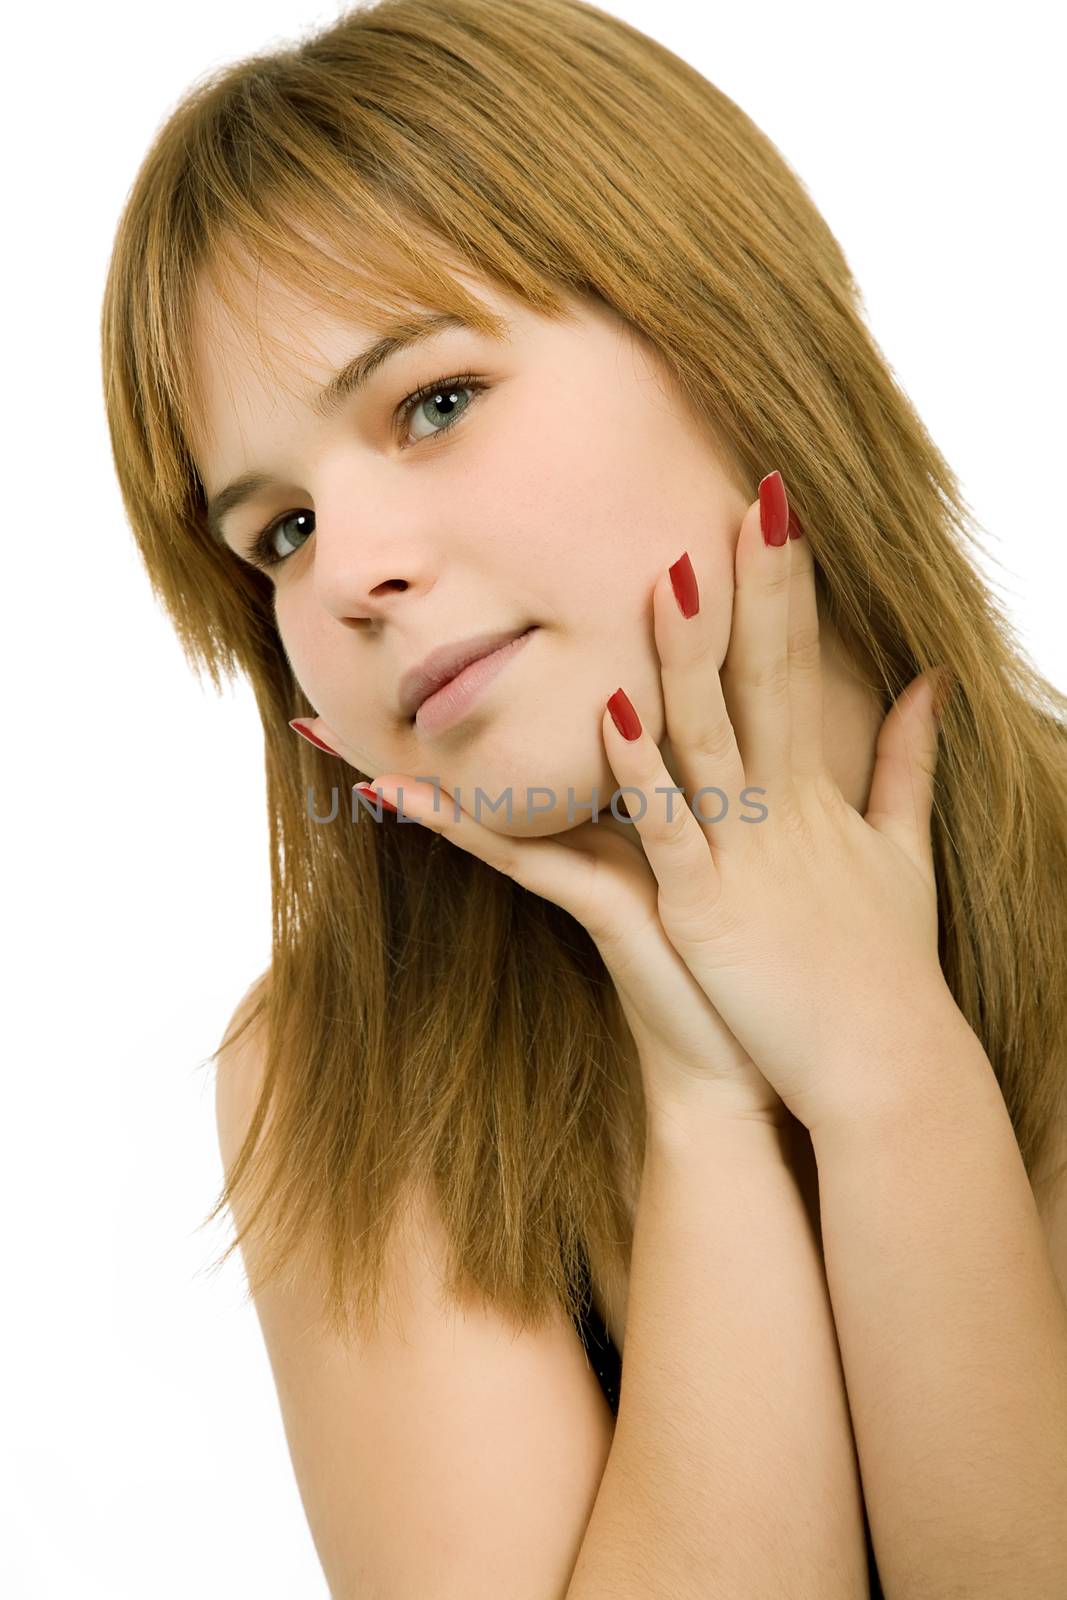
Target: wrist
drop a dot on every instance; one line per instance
(679, 1095)
(733, 1153)
(931, 1062)
(676, 1125)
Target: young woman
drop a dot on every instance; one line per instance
(704, 990)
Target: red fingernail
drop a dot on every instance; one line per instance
(684, 584)
(773, 509)
(311, 738)
(795, 530)
(365, 788)
(624, 716)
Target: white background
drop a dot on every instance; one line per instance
(141, 1448)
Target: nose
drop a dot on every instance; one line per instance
(363, 563)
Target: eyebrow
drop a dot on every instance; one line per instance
(354, 375)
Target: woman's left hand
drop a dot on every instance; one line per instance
(811, 929)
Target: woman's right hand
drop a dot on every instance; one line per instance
(688, 1056)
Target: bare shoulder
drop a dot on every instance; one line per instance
(240, 1064)
(450, 1455)
(1050, 1193)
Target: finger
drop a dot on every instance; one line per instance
(699, 729)
(755, 673)
(805, 661)
(305, 727)
(547, 867)
(901, 800)
(674, 842)
(321, 736)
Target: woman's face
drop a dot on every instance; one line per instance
(557, 498)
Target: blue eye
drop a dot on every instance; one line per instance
(262, 552)
(443, 391)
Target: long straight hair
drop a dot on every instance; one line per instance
(431, 1026)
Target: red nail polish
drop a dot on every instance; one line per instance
(795, 530)
(773, 509)
(624, 716)
(307, 734)
(365, 788)
(684, 584)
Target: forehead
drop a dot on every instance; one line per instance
(260, 349)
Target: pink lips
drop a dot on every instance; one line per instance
(445, 663)
(450, 703)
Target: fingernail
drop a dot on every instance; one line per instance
(773, 509)
(684, 584)
(795, 530)
(624, 716)
(365, 789)
(311, 738)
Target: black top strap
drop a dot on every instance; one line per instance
(604, 1358)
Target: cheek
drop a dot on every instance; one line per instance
(294, 636)
(316, 665)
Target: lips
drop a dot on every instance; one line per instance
(444, 663)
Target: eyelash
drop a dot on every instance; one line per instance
(262, 554)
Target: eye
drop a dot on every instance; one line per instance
(441, 392)
(263, 551)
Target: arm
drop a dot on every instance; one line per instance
(952, 1330)
(732, 1471)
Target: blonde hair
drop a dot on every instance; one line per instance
(429, 1022)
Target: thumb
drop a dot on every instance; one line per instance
(556, 868)
(902, 789)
